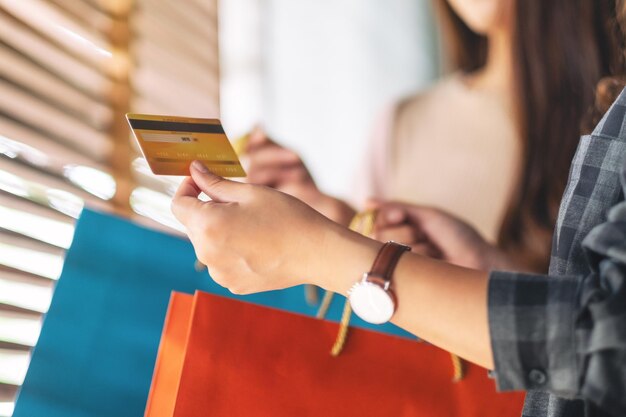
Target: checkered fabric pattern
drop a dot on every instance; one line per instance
(562, 336)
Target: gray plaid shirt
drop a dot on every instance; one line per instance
(562, 337)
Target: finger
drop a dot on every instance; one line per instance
(185, 200)
(268, 176)
(217, 188)
(390, 214)
(373, 203)
(402, 234)
(271, 155)
(188, 188)
(258, 137)
(274, 176)
(425, 215)
(426, 249)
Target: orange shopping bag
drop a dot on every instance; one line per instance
(222, 357)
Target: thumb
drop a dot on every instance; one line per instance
(391, 214)
(373, 203)
(428, 216)
(257, 137)
(217, 188)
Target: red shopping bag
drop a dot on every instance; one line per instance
(221, 357)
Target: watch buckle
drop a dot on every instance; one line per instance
(377, 280)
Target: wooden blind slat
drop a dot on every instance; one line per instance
(57, 154)
(207, 9)
(27, 74)
(146, 28)
(19, 217)
(24, 182)
(13, 365)
(19, 328)
(173, 62)
(7, 392)
(146, 105)
(49, 56)
(88, 15)
(8, 239)
(30, 256)
(113, 7)
(14, 284)
(81, 41)
(19, 105)
(85, 177)
(177, 95)
(146, 20)
(26, 279)
(184, 18)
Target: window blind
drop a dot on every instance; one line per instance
(69, 70)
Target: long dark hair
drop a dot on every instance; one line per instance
(610, 87)
(561, 49)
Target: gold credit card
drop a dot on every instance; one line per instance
(171, 143)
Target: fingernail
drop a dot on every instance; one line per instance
(395, 215)
(199, 166)
(371, 204)
(257, 130)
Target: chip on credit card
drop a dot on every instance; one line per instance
(171, 143)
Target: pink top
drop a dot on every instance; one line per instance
(453, 146)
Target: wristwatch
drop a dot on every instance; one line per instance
(372, 298)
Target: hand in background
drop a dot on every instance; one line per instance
(437, 234)
(275, 166)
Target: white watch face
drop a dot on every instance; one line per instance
(371, 302)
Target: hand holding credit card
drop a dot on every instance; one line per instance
(170, 144)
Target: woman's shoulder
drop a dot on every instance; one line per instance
(432, 102)
(438, 96)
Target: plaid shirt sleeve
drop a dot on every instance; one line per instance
(567, 334)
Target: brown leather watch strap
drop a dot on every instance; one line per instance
(387, 259)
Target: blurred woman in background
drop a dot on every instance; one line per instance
(492, 142)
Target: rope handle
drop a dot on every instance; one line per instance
(364, 223)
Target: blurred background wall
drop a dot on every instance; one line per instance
(318, 72)
(315, 73)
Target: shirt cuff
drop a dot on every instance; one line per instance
(531, 324)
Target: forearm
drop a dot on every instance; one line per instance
(442, 304)
(335, 209)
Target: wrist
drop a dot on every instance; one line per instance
(347, 256)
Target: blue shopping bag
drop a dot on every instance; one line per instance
(99, 341)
